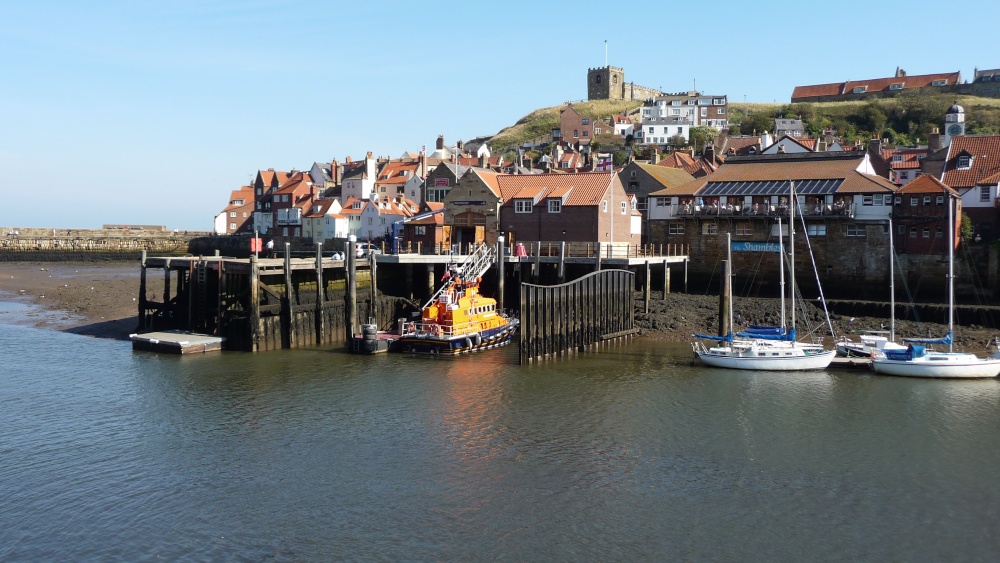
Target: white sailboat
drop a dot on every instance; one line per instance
(917, 361)
(749, 353)
(876, 342)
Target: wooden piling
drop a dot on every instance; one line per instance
(352, 291)
(724, 299)
(287, 330)
(646, 289)
(320, 328)
(562, 262)
(666, 280)
(141, 325)
(254, 303)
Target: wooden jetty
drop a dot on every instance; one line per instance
(258, 304)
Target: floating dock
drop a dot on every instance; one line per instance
(176, 342)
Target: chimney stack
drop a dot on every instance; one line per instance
(440, 142)
(935, 141)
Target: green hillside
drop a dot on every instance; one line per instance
(906, 119)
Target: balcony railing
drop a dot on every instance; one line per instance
(617, 250)
(845, 211)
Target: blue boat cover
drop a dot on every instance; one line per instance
(912, 351)
(786, 337)
(726, 338)
(761, 329)
(946, 339)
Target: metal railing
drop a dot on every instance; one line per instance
(715, 210)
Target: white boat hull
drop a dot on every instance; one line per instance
(940, 365)
(812, 361)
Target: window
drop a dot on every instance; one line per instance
(888, 199)
(901, 229)
(244, 214)
(859, 90)
(586, 133)
(904, 175)
(586, 121)
(927, 200)
(897, 158)
(675, 102)
(719, 101)
(816, 230)
(522, 206)
(232, 226)
(939, 200)
(576, 133)
(420, 230)
(984, 193)
(744, 229)
(939, 233)
(877, 200)
(897, 86)
(555, 205)
(720, 111)
(964, 162)
(855, 230)
(624, 208)
(676, 112)
(651, 131)
(898, 200)
(371, 220)
(232, 214)
(675, 228)
(913, 232)
(680, 130)
(867, 200)
(914, 201)
(604, 206)
(704, 112)
(661, 201)
(927, 233)
(710, 228)
(939, 83)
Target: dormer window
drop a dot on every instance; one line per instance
(555, 206)
(357, 205)
(964, 162)
(859, 90)
(522, 206)
(237, 202)
(897, 86)
(896, 158)
(939, 83)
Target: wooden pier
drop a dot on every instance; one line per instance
(566, 318)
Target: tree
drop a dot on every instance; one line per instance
(965, 231)
(619, 158)
(756, 124)
(702, 137)
(677, 140)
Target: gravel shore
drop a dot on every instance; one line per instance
(100, 300)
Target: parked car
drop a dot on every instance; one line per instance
(362, 249)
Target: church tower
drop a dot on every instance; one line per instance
(605, 83)
(954, 123)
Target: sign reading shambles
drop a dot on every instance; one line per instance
(755, 247)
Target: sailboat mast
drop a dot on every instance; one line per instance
(791, 250)
(951, 271)
(892, 286)
(781, 271)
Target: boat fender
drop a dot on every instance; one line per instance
(421, 334)
(468, 342)
(477, 339)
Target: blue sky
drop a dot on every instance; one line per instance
(152, 112)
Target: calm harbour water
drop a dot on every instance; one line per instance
(629, 453)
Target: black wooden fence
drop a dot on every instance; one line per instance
(561, 319)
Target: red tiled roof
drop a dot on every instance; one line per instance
(800, 142)
(911, 158)
(694, 166)
(587, 188)
(488, 178)
(926, 184)
(873, 85)
(985, 153)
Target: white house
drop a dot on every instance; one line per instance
(658, 130)
(359, 181)
(377, 216)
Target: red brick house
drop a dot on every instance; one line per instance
(238, 215)
(585, 207)
(920, 215)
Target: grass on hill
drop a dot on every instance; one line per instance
(905, 119)
(540, 123)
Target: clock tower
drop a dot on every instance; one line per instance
(954, 123)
